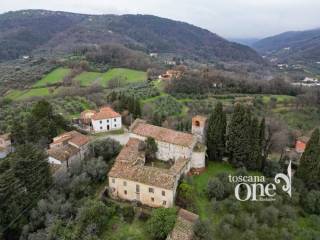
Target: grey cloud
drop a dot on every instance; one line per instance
(229, 18)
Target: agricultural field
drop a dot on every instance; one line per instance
(27, 94)
(88, 78)
(56, 76)
(128, 76)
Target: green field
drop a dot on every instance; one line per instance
(56, 76)
(128, 75)
(25, 94)
(88, 78)
(36, 92)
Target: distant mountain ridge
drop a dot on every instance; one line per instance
(29, 31)
(295, 46)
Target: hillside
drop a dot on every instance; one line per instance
(292, 47)
(39, 31)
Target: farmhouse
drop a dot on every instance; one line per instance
(68, 147)
(5, 145)
(170, 75)
(103, 121)
(172, 144)
(301, 144)
(132, 178)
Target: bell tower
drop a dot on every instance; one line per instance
(199, 128)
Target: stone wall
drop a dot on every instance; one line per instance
(167, 151)
(127, 190)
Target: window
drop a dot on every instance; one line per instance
(137, 188)
(113, 180)
(115, 120)
(125, 192)
(197, 124)
(151, 190)
(101, 128)
(124, 183)
(115, 125)
(164, 203)
(152, 199)
(163, 193)
(100, 122)
(108, 121)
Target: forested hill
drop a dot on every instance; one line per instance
(303, 46)
(29, 31)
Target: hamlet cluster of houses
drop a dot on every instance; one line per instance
(132, 178)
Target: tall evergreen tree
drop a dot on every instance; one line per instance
(12, 200)
(31, 167)
(216, 133)
(238, 141)
(262, 142)
(309, 169)
(255, 158)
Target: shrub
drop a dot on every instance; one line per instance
(203, 231)
(128, 213)
(311, 203)
(215, 189)
(185, 198)
(161, 223)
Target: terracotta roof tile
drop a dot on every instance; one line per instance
(74, 137)
(141, 128)
(183, 229)
(105, 113)
(63, 153)
(130, 165)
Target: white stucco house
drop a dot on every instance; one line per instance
(103, 121)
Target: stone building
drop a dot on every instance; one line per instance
(68, 147)
(132, 179)
(172, 144)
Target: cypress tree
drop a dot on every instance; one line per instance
(254, 160)
(31, 167)
(216, 134)
(262, 142)
(12, 197)
(238, 143)
(309, 169)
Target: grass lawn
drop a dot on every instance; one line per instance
(200, 185)
(280, 98)
(36, 92)
(55, 76)
(129, 75)
(124, 231)
(88, 78)
(15, 94)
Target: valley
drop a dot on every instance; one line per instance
(131, 127)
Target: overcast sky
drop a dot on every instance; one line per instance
(228, 18)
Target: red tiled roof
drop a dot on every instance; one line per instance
(63, 153)
(141, 128)
(130, 164)
(73, 137)
(105, 113)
